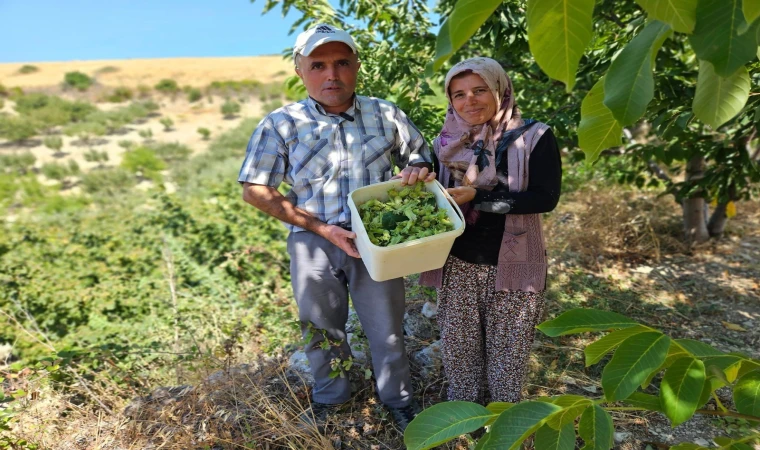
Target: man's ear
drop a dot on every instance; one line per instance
(298, 72)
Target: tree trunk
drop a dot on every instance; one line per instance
(718, 220)
(695, 208)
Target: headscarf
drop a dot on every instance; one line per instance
(469, 152)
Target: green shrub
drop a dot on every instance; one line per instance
(20, 163)
(150, 105)
(230, 108)
(167, 86)
(142, 161)
(270, 91)
(77, 80)
(4, 91)
(171, 152)
(15, 92)
(205, 132)
(85, 131)
(53, 143)
(28, 68)
(57, 204)
(167, 123)
(2, 103)
(109, 181)
(95, 156)
(274, 104)
(57, 171)
(51, 110)
(120, 94)
(107, 69)
(194, 94)
(146, 133)
(18, 128)
(126, 144)
(143, 91)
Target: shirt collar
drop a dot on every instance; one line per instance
(356, 107)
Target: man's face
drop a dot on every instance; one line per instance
(329, 74)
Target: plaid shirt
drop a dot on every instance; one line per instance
(325, 156)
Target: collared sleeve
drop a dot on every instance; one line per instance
(412, 148)
(266, 157)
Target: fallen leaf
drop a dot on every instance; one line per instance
(553, 365)
(732, 326)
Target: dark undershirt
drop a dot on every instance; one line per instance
(480, 242)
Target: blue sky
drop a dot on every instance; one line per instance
(62, 30)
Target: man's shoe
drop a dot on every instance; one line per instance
(316, 415)
(402, 416)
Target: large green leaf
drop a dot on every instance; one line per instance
(747, 394)
(675, 352)
(646, 401)
(596, 429)
(698, 349)
(598, 129)
(748, 365)
(547, 438)
(728, 364)
(558, 32)
(716, 37)
(719, 99)
(679, 14)
(596, 350)
(497, 408)
(632, 362)
(681, 389)
(443, 422)
(572, 407)
(464, 21)
(582, 319)
(751, 9)
(629, 84)
(688, 446)
(515, 425)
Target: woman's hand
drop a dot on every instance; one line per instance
(412, 174)
(462, 194)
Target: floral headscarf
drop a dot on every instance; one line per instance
(469, 151)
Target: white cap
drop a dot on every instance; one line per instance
(318, 35)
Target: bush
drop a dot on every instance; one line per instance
(108, 181)
(167, 86)
(107, 69)
(15, 128)
(57, 171)
(95, 156)
(28, 68)
(274, 104)
(77, 80)
(167, 123)
(20, 163)
(230, 108)
(171, 152)
(4, 91)
(143, 91)
(120, 94)
(194, 94)
(205, 132)
(85, 130)
(143, 161)
(51, 110)
(53, 143)
(146, 133)
(2, 103)
(126, 144)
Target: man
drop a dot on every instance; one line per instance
(324, 147)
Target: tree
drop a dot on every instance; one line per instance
(691, 373)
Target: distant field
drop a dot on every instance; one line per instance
(133, 72)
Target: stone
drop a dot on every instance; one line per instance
(429, 359)
(6, 350)
(358, 346)
(353, 324)
(221, 376)
(418, 326)
(701, 442)
(430, 310)
(621, 436)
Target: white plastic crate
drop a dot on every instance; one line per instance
(419, 255)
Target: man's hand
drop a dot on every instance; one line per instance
(462, 194)
(342, 238)
(412, 174)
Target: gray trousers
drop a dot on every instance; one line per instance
(323, 275)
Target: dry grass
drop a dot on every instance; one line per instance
(198, 72)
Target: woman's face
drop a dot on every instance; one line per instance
(472, 99)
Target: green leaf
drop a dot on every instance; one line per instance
(681, 389)
(698, 349)
(633, 361)
(646, 401)
(596, 351)
(598, 129)
(547, 438)
(747, 394)
(595, 427)
(629, 84)
(497, 408)
(688, 446)
(716, 36)
(679, 14)
(582, 319)
(464, 21)
(517, 423)
(558, 32)
(442, 422)
(719, 99)
(728, 364)
(748, 365)
(675, 352)
(751, 10)
(572, 407)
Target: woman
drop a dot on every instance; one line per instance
(503, 171)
